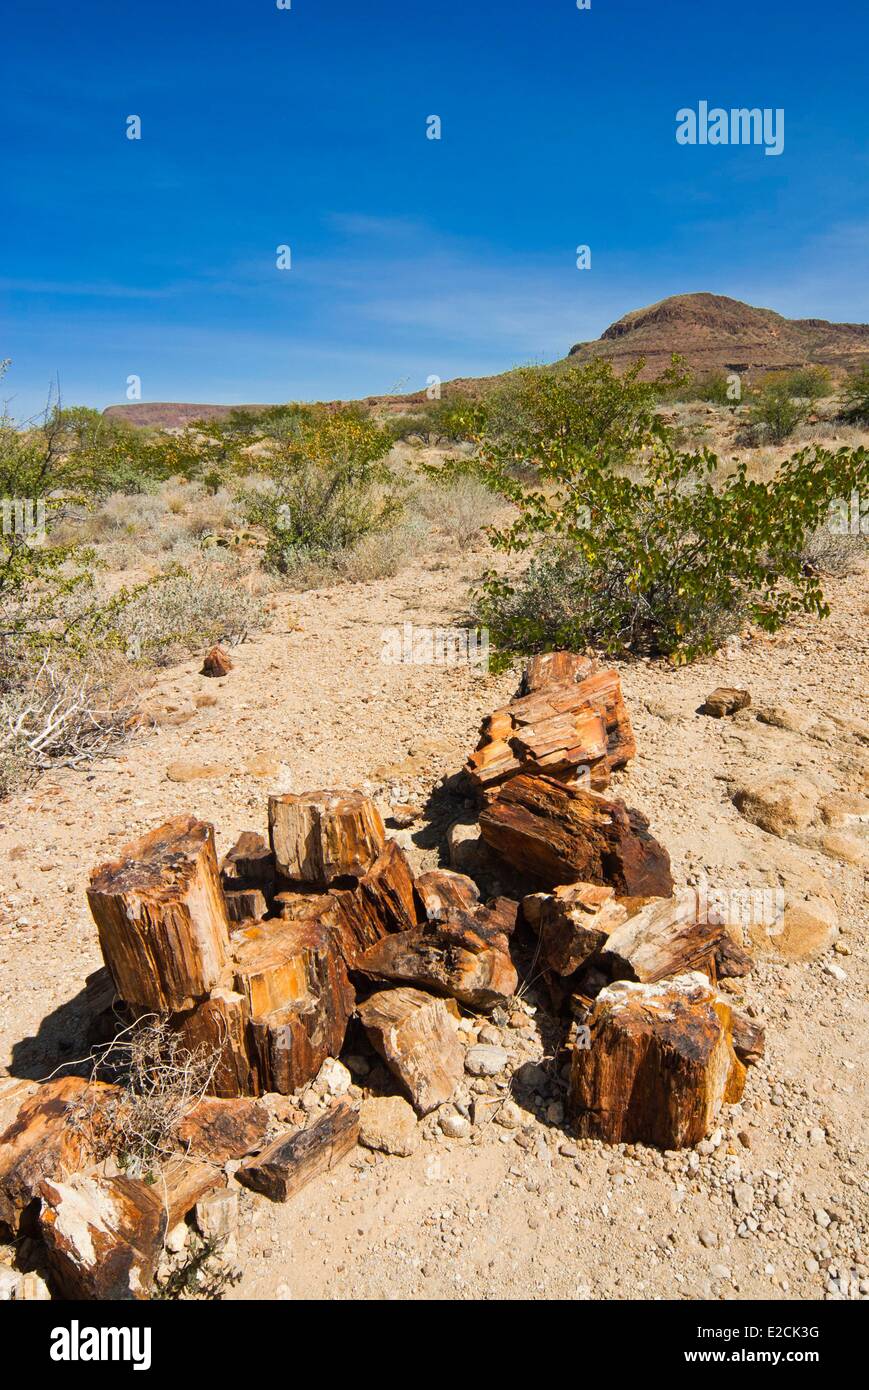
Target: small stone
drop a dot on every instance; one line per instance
(455, 1126)
(486, 1060)
(33, 1289)
(720, 1272)
(176, 1239)
(216, 1215)
(333, 1078)
(490, 1035)
(508, 1115)
(725, 700)
(709, 1239)
(388, 1123)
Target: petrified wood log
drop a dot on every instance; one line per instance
(102, 1235)
(319, 837)
(249, 864)
(245, 904)
(565, 834)
(749, 1037)
(450, 957)
(219, 1026)
(574, 922)
(559, 730)
(282, 1169)
(659, 1066)
(724, 700)
(217, 662)
(57, 1130)
(663, 938)
(161, 916)
(416, 1036)
(219, 1130)
(440, 889)
(555, 668)
(381, 902)
(731, 960)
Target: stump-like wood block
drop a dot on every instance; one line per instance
(319, 837)
(161, 916)
(659, 1066)
(565, 834)
(415, 1035)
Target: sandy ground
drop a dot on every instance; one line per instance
(775, 1207)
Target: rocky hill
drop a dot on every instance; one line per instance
(711, 331)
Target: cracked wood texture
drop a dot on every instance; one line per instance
(319, 837)
(161, 916)
(664, 938)
(416, 1036)
(381, 902)
(556, 730)
(282, 1169)
(659, 1065)
(452, 956)
(565, 834)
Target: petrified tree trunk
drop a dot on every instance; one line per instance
(161, 916)
(555, 668)
(103, 1236)
(294, 1159)
(574, 922)
(219, 1026)
(381, 902)
(441, 889)
(56, 1131)
(663, 938)
(564, 834)
(450, 957)
(749, 1037)
(322, 836)
(659, 1066)
(559, 730)
(298, 999)
(415, 1035)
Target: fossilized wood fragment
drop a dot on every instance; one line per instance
(217, 1028)
(381, 902)
(574, 922)
(161, 916)
(559, 730)
(664, 938)
(282, 1169)
(659, 1066)
(220, 1130)
(102, 1235)
(416, 1036)
(57, 1130)
(441, 889)
(555, 668)
(249, 864)
(565, 834)
(319, 837)
(450, 957)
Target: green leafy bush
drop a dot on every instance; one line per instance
(636, 547)
(855, 398)
(327, 486)
(774, 412)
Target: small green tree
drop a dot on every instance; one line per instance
(328, 486)
(775, 413)
(637, 547)
(855, 398)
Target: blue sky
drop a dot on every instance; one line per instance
(410, 256)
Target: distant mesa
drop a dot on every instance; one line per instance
(710, 331)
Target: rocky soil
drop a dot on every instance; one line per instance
(492, 1197)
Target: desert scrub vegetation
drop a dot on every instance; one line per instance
(325, 487)
(72, 643)
(633, 545)
(855, 398)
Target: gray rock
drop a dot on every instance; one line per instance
(484, 1059)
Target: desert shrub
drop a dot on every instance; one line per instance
(648, 549)
(830, 552)
(179, 613)
(774, 413)
(805, 383)
(855, 398)
(328, 486)
(383, 554)
(63, 715)
(458, 506)
(716, 388)
(453, 419)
